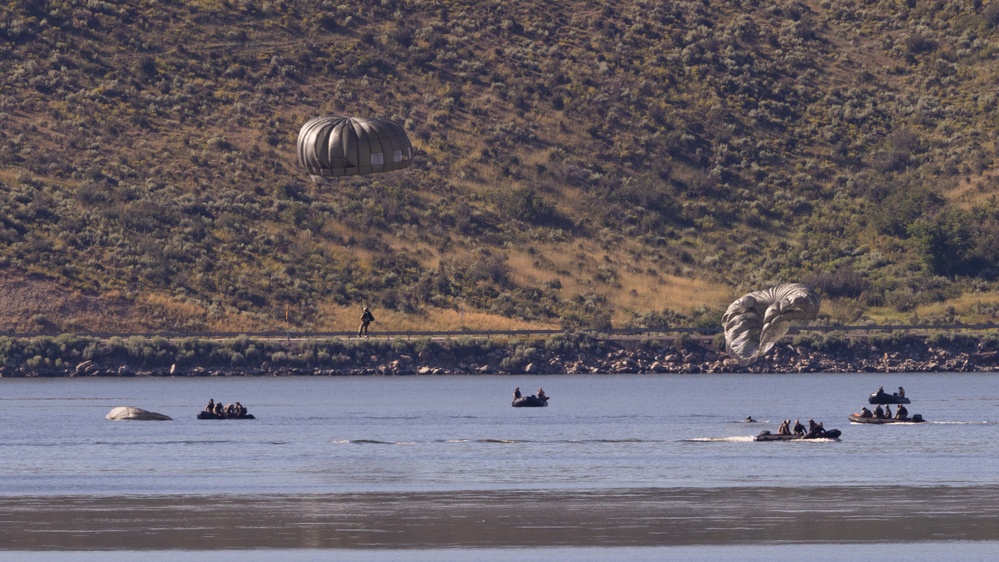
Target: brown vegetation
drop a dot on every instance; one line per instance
(633, 163)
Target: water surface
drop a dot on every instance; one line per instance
(381, 464)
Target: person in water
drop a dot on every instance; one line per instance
(901, 413)
(749, 419)
(366, 318)
(516, 393)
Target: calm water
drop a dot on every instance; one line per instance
(607, 448)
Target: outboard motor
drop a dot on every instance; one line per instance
(917, 417)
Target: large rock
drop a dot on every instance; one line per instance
(130, 413)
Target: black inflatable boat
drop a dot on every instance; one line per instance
(915, 418)
(767, 436)
(531, 401)
(205, 415)
(885, 398)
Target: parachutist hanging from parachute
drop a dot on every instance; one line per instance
(336, 146)
(755, 322)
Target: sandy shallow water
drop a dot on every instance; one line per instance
(603, 518)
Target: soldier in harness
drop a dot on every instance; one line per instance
(366, 318)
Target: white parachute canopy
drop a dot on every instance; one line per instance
(131, 413)
(755, 322)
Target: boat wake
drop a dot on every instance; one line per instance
(750, 439)
(963, 423)
(168, 442)
(495, 440)
(574, 441)
(623, 440)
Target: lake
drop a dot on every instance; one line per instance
(617, 467)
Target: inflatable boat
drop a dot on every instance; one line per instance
(531, 401)
(205, 415)
(767, 436)
(885, 398)
(915, 418)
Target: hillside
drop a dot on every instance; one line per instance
(638, 163)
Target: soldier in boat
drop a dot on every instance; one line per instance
(785, 428)
(816, 430)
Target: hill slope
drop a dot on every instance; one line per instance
(637, 163)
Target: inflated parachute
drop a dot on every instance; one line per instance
(333, 146)
(755, 322)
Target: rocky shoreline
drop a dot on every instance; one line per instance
(561, 356)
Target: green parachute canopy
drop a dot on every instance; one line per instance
(334, 146)
(755, 322)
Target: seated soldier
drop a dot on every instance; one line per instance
(816, 431)
(785, 428)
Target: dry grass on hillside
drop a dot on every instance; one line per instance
(667, 292)
(635, 291)
(972, 308)
(975, 190)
